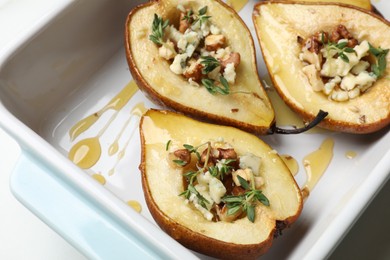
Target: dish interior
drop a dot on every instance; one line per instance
(75, 66)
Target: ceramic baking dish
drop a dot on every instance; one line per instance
(72, 65)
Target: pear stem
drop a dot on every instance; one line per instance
(319, 117)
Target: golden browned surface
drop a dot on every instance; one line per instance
(252, 112)
(278, 24)
(366, 4)
(162, 184)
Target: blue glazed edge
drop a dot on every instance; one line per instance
(80, 221)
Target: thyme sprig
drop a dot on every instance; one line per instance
(202, 17)
(191, 175)
(222, 168)
(247, 201)
(341, 48)
(188, 16)
(210, 63)
(380, 54)
(179, 162)
(191, 190)
(213, 88)
(158, 27)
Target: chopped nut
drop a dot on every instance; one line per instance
(184, 23)
(214, 41)
(300, 40)
(194, 72)
(341, 32)
(234, 57)
(312, 44)
(228, 153)
(245, 174)
(322, 37)
(223, 216)
(344, 32)
(238, 190)
(352, 42)
(213, 156)
(183, 155)
(335, 36)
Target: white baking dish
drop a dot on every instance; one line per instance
(68, 66)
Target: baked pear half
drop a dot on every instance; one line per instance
(366, 4)
(216, 189)
(332, 57)
(198, 58)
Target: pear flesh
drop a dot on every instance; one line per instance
(280, 24)
(247, 106)
(366, 4)
(162, 183)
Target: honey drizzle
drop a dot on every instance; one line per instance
(315, 165)
(283, 114)
(87, 152)
(350, 154)
(135, 205)
(114, 147)
(291, 163)
(138, 110)
(99, 177)
(116, 103)
(237, 5)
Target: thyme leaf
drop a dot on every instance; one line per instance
(158, 27)
(179, 162)
(192, 190)
(191, 175)
(341, 48)
(221, 169)
(188, 16)
(210, 63)
(213, 88)
(243, 182)
(380, 54)
(245, 202)
(250, 212)
(167, 145)
(202, 17)
(344, 57)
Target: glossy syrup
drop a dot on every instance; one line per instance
(237, 5)
(350, 154)
(100, 178)
(135, 205)
(283, 114)
(291, 163)
(315, 165)
(138, 110)
(87, 152)
(116, 103)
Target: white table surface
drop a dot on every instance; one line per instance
(24, 236)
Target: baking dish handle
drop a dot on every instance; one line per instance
(75, 218)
